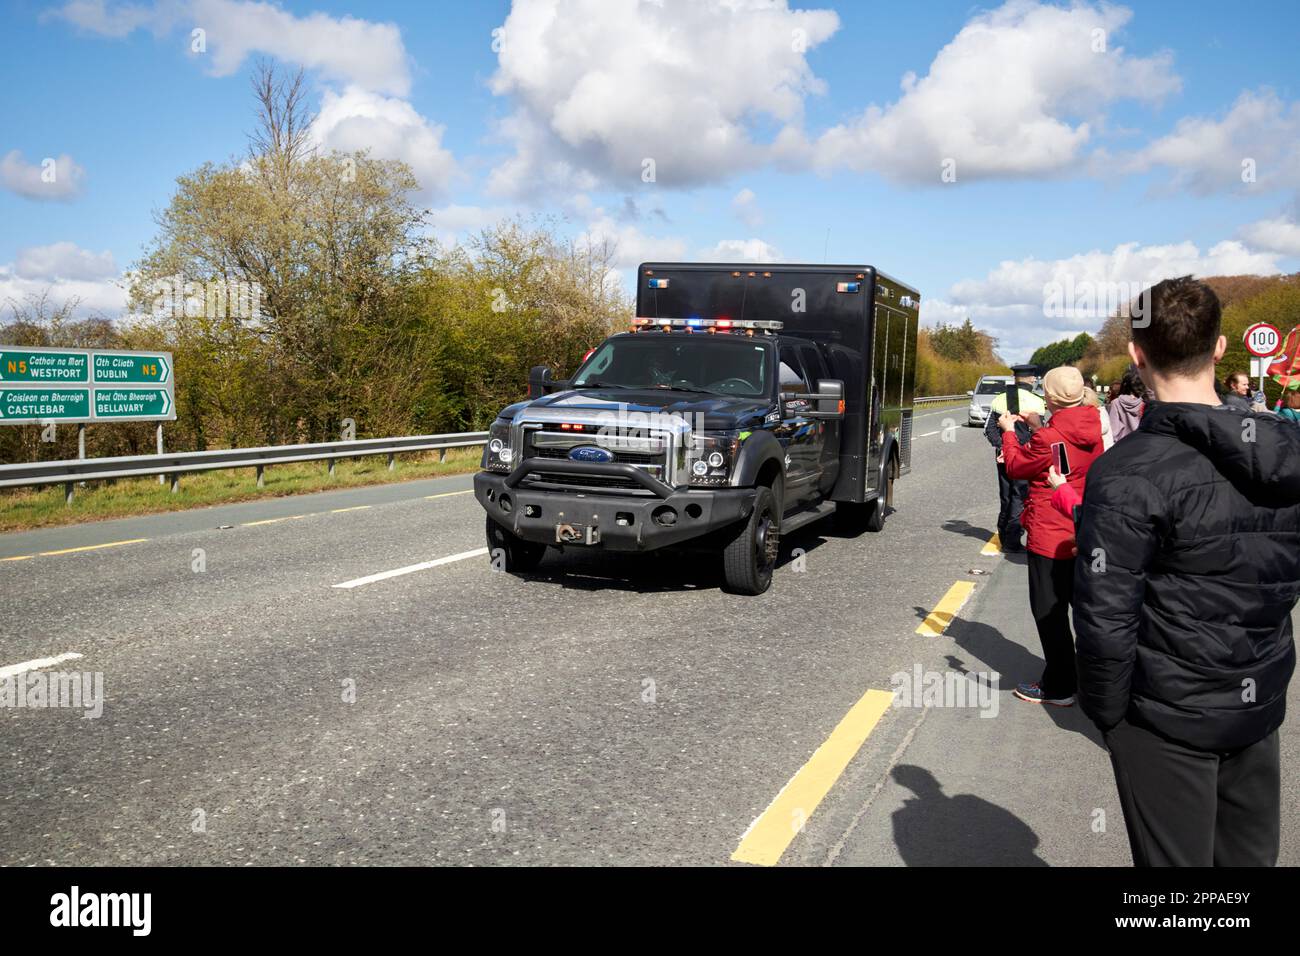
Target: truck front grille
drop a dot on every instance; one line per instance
(622, 457)
(646, 453)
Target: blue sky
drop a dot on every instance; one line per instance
(1087, 146)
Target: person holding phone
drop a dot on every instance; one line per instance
(1068, 443)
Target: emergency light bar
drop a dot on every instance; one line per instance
(713, 325)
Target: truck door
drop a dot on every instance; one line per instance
(797, 432)
(827, 432)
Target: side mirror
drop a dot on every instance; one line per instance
(970, 393)
(542, 382)
(539, 376)
(829, 399)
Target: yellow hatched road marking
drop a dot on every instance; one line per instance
(946, 609)
(774, 829)
(92, 547)
(993, 545)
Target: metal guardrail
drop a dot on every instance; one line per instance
(931, 399)
(70, 471)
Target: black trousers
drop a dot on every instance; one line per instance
(1189, 807)
(1011, 500)
(1051, 589)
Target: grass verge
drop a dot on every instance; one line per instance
(24, 509)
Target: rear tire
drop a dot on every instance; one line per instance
(852, 517)
(511, 553)
(749, 558)
(876, 520)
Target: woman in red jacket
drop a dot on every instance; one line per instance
(1075, 427)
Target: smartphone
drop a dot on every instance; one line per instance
(1061, 457)
(1013, 398)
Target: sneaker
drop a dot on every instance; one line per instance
(1034, 695)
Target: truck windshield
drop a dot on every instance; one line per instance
(703, 363)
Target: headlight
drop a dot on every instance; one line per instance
(497, 456)
(712, 458)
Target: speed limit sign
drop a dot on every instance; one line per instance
(1262, 339)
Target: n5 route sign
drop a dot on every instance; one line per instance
(84, 385)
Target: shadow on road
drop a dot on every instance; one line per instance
(934, 829)
(655, 572)
(957, 526)
(1014, 663)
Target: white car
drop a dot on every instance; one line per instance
(989, 387)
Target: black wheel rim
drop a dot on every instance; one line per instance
(766, 542)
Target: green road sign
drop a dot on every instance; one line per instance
(132, 403)
(40, 403)
(51, 366)
(31, 381)
(127, 368)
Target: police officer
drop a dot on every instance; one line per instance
(1011, 494)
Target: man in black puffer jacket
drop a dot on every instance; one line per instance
(1188, 569)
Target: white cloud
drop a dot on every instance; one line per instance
(356, 52)
(1280, 235)
(63, 260)
(52, 178)
(741, 250)
(1019, 91)
(1259, 135)
(345, 49)
(117, 20)
(631, 245)
(390, 129)
(600, 86)
(745, 207)
(105, 296)
(1018, 300)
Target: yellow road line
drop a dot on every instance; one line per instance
(92, 547)
(20, 557)
(775, 828)
(993, 546)
(254, 524)
(449, 494)
(946, 609)
(339, 511)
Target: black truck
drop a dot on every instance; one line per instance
(745, 402)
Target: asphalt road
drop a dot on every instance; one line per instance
(609, 709)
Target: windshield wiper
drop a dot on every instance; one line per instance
(697, 391)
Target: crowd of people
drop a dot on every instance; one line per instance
(1166, 522)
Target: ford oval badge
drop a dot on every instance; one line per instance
(591, 453)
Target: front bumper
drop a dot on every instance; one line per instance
(625, 522)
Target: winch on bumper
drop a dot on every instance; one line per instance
(620, 522)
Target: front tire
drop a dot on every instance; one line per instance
(750, 557)
(510, 553)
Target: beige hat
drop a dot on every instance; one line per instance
(1064, 386)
